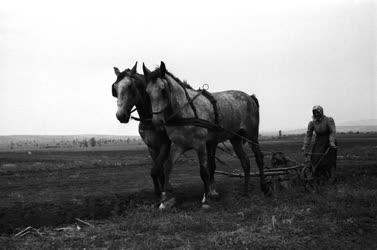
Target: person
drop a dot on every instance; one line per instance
(324, 151)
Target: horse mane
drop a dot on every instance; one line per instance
(157, 73)
(183, 83)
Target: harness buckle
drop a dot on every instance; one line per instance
(205, 86)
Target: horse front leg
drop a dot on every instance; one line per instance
(156, 171)
(175, 152)
(211, 154)
(204, 172)
(161, 160)
(159, 157)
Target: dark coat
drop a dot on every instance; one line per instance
(324, 138)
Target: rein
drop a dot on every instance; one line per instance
(190, 101)
(168, 120)
(135, 118)
(194, 121)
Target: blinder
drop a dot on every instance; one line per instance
(113, 89)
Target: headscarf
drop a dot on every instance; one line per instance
(319, 109)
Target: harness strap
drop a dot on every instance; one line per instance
(189, 100)
(213, 101)
(133, 117)
(194, 122)
(136, 118)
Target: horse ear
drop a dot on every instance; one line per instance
(146, 70)
(133, 70)
(162, 68)
(116, 70)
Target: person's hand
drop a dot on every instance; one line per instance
(332, 145)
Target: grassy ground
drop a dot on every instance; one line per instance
(118, 201)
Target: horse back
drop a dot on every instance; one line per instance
(236, 101)
(237, 109)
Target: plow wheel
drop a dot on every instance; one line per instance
(308, 179)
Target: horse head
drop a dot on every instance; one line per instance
(159, 92)
(126, 90)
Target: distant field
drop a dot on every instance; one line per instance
(111, 147)
(69, 142)
(110, 187)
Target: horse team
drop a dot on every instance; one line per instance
(169, 112)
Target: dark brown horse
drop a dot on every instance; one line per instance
(238, 115)
(129, 89)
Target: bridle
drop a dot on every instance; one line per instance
(189, 100)
(115, 94)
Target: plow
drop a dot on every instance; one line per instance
(279, 174)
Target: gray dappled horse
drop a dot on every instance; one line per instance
(238, 113)
(129, 89)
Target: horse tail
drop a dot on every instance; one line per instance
(255, 99)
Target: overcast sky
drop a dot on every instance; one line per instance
(57, 58)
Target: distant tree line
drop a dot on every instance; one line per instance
(82, 143)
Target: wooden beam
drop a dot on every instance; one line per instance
(252, 174)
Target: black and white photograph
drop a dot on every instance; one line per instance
(188, 124)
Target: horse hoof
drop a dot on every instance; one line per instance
(163, 197)
(170, 202)
(267, 191)
(268, 194)
(214, 195)
(162, 207)
(205, 206)
(167, 204)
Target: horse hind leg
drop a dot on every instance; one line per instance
(245, 162)
(254, 145)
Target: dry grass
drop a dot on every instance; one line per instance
(341, 216)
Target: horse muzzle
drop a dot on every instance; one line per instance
(123, 118)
